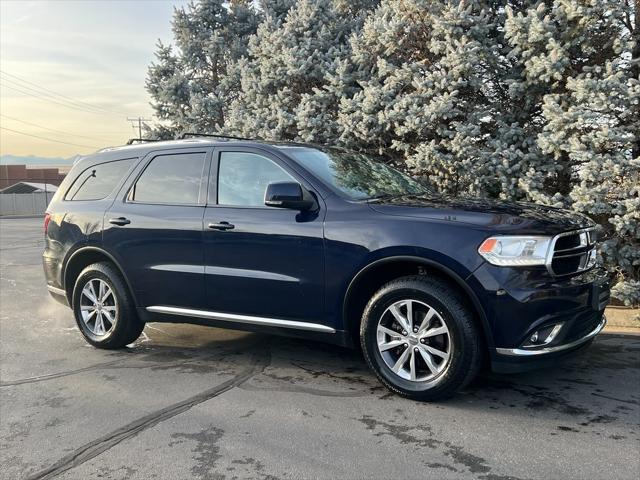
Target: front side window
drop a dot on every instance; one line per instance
(356, 175)
(97, 182)
(243, 178)
(173, 179)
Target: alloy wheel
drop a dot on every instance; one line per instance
(414, 341)
(98, 307)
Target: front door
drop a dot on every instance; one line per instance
(260, 261)
(155, 229)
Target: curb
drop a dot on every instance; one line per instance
(621, 330)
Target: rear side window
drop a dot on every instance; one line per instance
(97, 182)
(172, 179)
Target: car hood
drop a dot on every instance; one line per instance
(521, 217)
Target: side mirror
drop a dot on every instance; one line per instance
(288, 195)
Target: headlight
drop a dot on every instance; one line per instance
(515, 251)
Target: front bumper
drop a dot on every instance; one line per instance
(523, 305)
(516, 360)
(508, 364)
(531, 352)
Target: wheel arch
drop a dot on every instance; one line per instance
(363, 285)
(83, 257)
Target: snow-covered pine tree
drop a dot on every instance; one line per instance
(423, 90)
(191, 84)
(284, 74)
(576, 66)
(276, 9)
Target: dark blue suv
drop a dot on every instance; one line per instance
(320, 243)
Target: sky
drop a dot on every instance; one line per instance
(74, 70)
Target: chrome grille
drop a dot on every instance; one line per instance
(572, 252)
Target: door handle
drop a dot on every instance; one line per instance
(120, 221)
(221, 226)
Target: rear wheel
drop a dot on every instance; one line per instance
(103, 307)
(420, 338)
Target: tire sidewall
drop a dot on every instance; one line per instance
(376, 308)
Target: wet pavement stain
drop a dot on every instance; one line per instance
(442, 465)
(564, 428)
(355, 377)
(599, 419)
(206, 450)
(121, 473)
(474, 463)
(421, 436)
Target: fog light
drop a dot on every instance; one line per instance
(543, 336)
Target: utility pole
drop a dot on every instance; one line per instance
(139, 120)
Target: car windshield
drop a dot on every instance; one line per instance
(356, 175)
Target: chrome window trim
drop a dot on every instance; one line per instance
(552, 249)
(236, 318)
(521, 352)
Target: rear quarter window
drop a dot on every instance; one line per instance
(98, 181)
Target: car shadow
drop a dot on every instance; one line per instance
(597, 384)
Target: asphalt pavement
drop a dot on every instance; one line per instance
(194, 402)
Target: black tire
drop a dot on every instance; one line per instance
(127, 327)
(463, 340)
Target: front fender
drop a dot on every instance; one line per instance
(448, 267)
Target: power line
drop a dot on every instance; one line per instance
(52, 100)
(9, 83)
(52, 129)
(72, 100)
(47, 139)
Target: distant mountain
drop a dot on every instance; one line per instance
(32, 160)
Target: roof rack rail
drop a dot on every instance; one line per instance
(193, 134)
(131, 141)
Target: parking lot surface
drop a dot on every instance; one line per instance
(196, 402)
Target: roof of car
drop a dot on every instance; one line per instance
(142, 148)
(146, 146)
(187, 142)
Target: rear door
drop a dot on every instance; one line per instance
(154, 228)
(269, 261)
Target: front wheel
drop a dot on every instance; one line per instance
(420, 338)
(103, 307)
